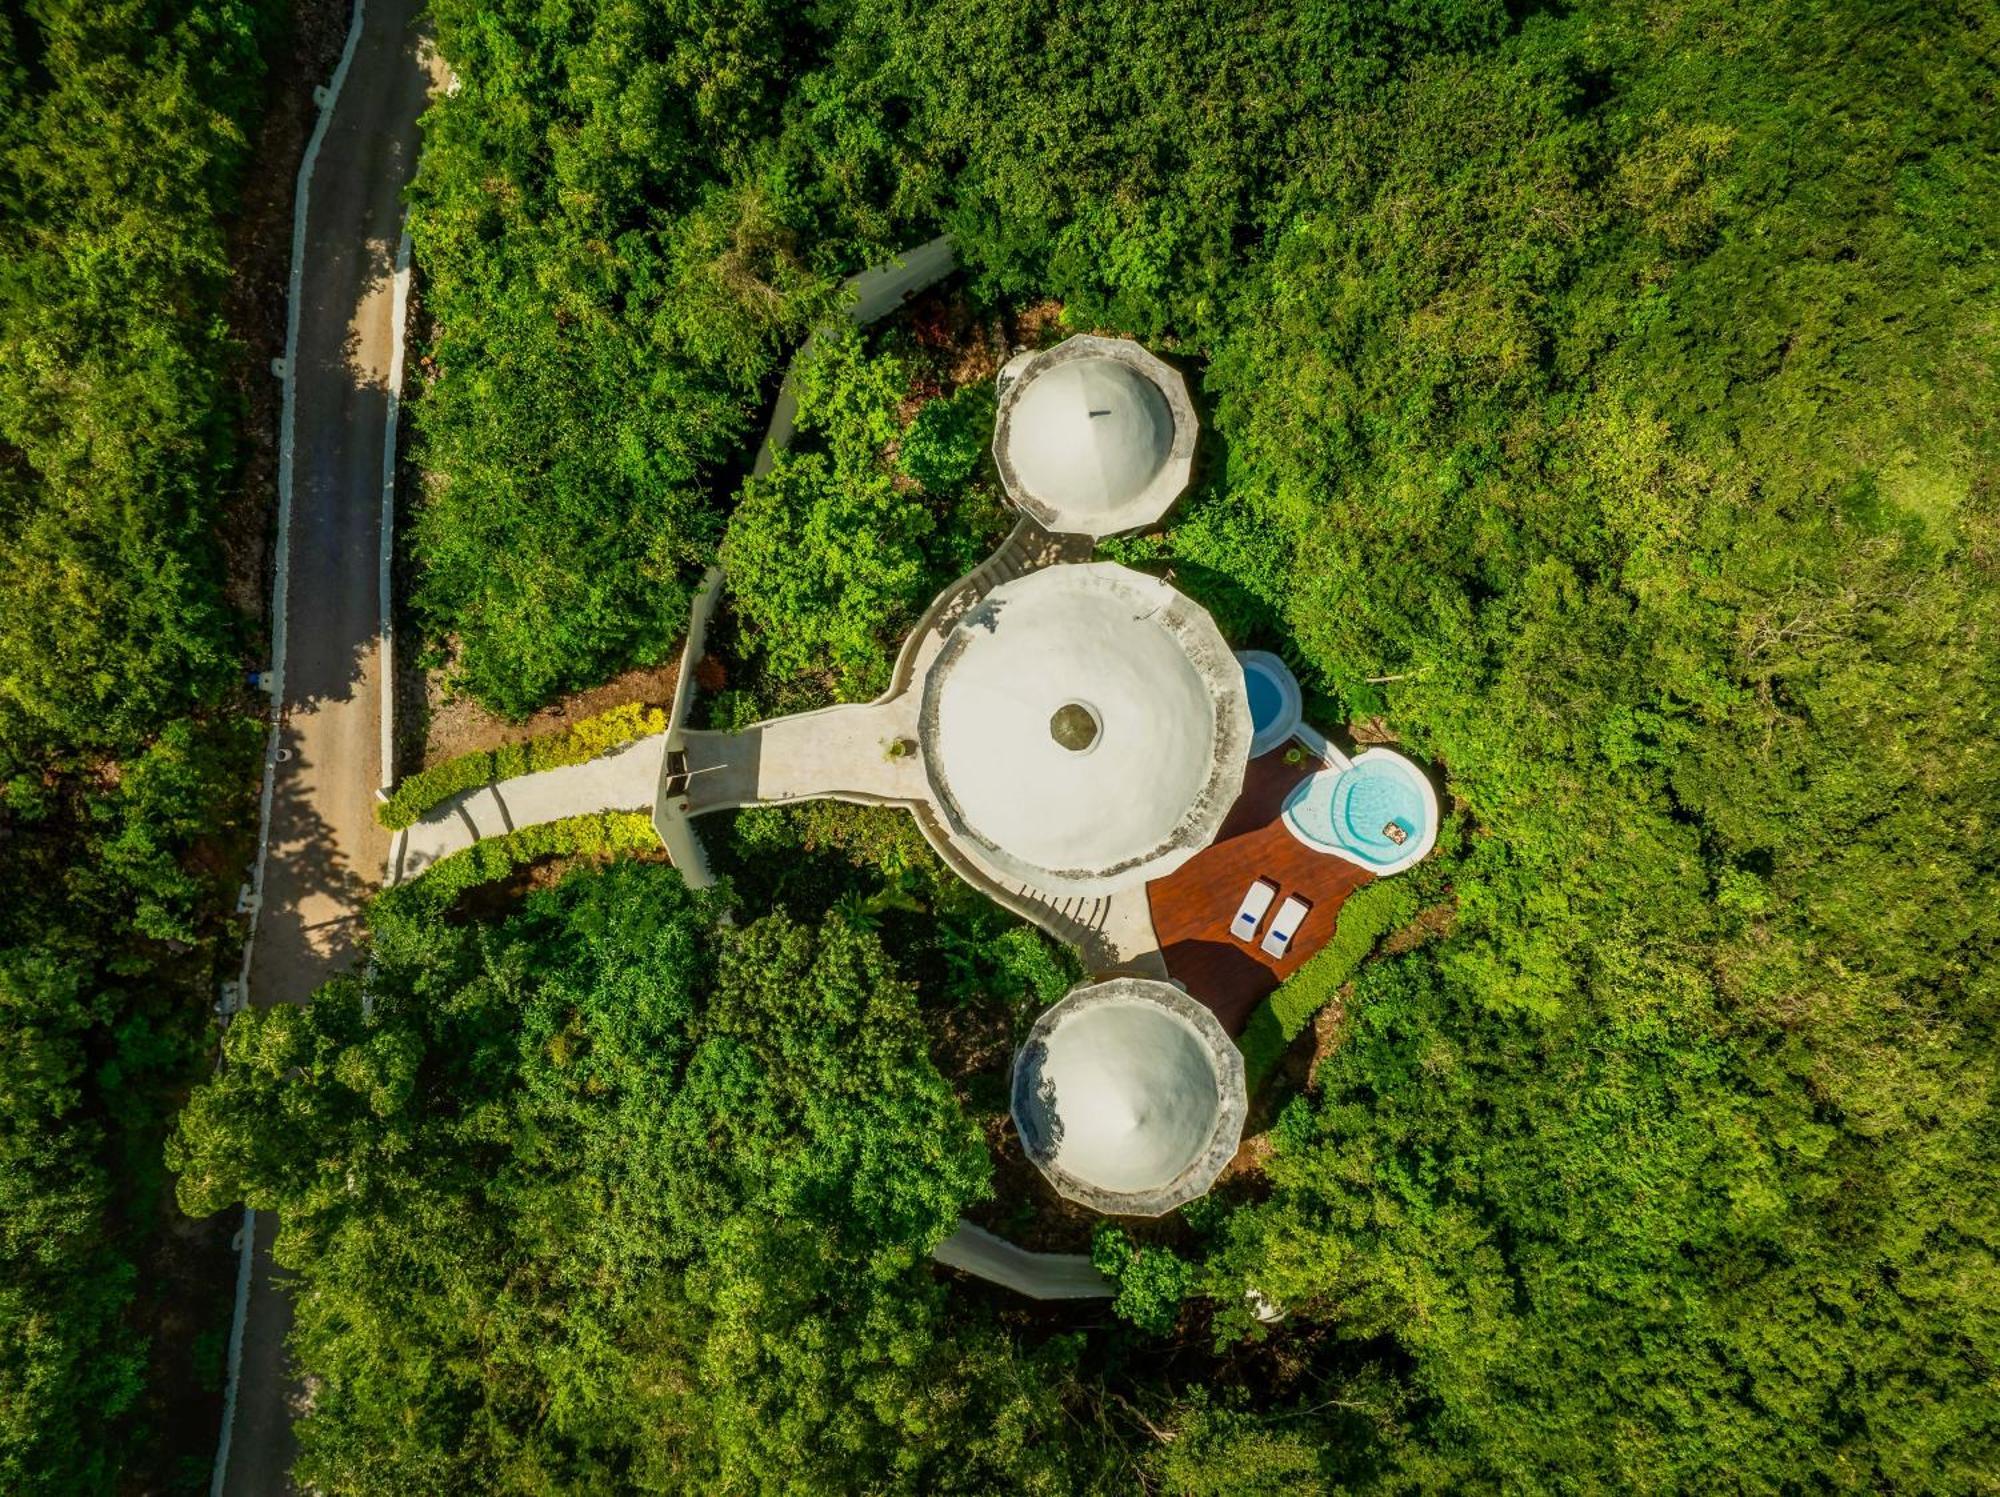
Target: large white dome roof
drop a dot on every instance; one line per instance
(1129, 1096)
(1086, 728)
(1094, 437)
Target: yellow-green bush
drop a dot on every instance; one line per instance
(572, 745)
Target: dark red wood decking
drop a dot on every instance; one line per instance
(1193, 905)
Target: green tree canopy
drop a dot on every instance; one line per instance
(123, 766)
(824, 556)
(604, 1197)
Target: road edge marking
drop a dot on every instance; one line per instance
(399, 317)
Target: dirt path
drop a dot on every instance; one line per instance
(325, 850)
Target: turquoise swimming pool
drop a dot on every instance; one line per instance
(1274, 699)
(1379, 812)
(1374, 801)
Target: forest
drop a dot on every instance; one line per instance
(128, 745)
(1597, 397)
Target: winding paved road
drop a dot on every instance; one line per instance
(325, 850)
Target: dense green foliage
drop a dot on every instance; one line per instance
(604, 1198)
(119, 144)
(1601, 397)
(1368, 915)
(824, 555)
(625, 215)
(125, 758)
(1623, 391)
(1153, 1282)
(830, 557)
(599, 218)
(872, 864)
(580, 741)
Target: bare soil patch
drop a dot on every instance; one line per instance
(961, 344)
(1329, 1027)
(1430, 924)
(457, 725)
(1250, 1157)
(1039, 324)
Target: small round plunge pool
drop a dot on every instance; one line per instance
(1379, 811)
(1275, 703)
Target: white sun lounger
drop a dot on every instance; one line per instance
(1250, 914)
(1284, 925)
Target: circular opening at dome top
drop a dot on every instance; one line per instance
(1075, 727)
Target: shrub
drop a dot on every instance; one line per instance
(1370, 913)
(825, 555)
(943, 445)
(826, 566)
(602, 834)
(1262, 1042)
(611, 283)
(575, 744)
(1152, 1281)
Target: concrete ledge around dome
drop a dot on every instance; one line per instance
(1041, 1136)
(1167, 485)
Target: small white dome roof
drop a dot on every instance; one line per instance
(1135, 1095)
(1086, 728)
(1090, 435)
(1094, 437)
(1129, 1096)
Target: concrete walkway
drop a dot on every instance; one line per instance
(624, 779)
(975, 1250)
(847, 752)
(874, 293)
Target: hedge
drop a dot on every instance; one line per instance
(602, 834)
(572, 745)
(1370, 913)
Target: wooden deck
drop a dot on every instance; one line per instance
(1192, 906)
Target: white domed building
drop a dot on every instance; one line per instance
(1084, 729)
(1066, 731)
(1094, 436)
(1129, 1097)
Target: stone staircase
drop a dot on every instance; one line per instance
(1079, 920)
(1027, 548)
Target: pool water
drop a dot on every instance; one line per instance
(1352, 809)
(1273, 697)
(1266, 701)
(1370, 798)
